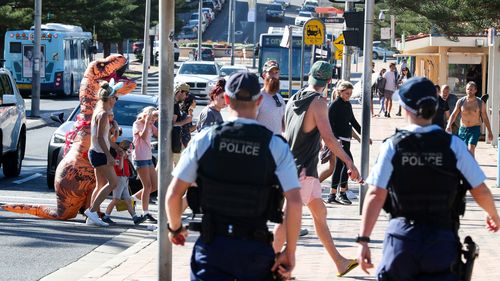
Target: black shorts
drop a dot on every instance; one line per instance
(97, 159)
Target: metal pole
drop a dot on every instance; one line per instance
(229, 21)
(128, 52)
(302, 60)
(290, 53)
(35, 78)
(146, 57)
(367, 82)
(254, 39)
(166, 94)
(393, 30)
(346, 56)
(199, 30)
(232, 29)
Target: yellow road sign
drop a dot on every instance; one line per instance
(314, 32)
(339, 47)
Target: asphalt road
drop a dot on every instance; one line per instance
(218, 30)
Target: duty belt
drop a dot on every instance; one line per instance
(229, 230)
(439, 224)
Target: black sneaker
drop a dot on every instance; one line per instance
(107, 220)
(303, 232)
(138, 219)
(342, 199)
(332, 198)
(149, 219)
(398, 114)
(388, 115)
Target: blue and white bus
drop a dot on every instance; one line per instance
(66, 52)
(270, 49)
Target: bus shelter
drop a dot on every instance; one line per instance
(458, 61)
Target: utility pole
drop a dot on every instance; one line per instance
(146, 57)
(35, 77)
(232, 16)
(200, 19)
(367, 82)
(393, 30)
(346, 56)
(229, 21)
(166, 94)
(252, 12)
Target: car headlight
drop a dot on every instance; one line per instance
(58, 138)
(212, 84)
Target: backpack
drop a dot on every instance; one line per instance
(380, 85)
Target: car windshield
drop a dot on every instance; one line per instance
(305, 14)
(231, 71)
(203, 69)
(187, 29)
(274, 7)
(194, 16)
(125, 111)
(309, 8)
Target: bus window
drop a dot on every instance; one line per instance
(15, 47)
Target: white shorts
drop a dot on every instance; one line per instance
(310, 188)
(121, 191)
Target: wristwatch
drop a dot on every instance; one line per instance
(362, 239)
(174, 232)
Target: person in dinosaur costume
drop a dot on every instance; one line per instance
(74, 178)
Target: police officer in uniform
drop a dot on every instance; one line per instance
(417, 179)
(241, 170)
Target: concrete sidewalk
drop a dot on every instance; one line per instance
(313, 263)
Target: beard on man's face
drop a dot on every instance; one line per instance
(272, 85)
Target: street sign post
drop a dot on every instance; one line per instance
(339, 47)
(314, 32)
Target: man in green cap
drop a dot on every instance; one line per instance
(306, 123)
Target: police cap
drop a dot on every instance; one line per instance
(416, 92)
(243, 86)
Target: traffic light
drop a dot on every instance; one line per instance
(354, 34)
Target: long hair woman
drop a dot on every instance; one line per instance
(143, 129)
(99, 152)
(211, 115)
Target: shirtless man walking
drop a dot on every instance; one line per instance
(473, 110)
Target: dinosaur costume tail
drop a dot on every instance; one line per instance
(39, 211)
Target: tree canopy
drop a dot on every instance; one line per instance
(451, 17)
(112, 20)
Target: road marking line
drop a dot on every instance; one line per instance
(26, 198)
(34, 176)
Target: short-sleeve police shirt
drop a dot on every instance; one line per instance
(286, 171)
(383, 169)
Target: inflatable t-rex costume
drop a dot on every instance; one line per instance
(74, 178)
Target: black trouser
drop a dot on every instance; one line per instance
(340, 176)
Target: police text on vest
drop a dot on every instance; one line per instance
(422, 159)
(239, 147)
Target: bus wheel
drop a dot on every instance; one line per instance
(72, 87)
(63, 93)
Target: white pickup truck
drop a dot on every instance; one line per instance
(12, 125)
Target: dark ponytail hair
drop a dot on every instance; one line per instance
(427, 108)
(217, 89)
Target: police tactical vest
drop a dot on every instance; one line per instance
(425, 185)
(236, 178)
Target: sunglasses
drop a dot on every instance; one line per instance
(277, 100)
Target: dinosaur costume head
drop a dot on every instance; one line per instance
(75, 179)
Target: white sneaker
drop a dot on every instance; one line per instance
(93, 218)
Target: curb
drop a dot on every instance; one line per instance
(121, 258)
(104, 258)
